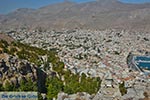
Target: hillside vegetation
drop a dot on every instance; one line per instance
(56, 79)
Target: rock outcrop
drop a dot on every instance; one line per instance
(15, 70)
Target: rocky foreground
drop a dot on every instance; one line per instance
(14, 71)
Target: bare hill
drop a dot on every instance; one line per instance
(98, 14)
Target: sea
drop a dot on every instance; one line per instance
(143, 62)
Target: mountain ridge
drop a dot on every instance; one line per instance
(90, 15)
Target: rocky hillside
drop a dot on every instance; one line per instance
(27, 68)
(6, 37)
(16, 74)
(98, 14)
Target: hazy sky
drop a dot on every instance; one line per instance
(10, 5)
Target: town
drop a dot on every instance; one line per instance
(107, 54)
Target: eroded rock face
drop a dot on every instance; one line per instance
(16, 70)
(25, 68)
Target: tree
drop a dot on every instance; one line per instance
(122, 88)
(40, 96)
(8, 86)
(28, 85)
(54, 86)
(1, 87)
(5, 43)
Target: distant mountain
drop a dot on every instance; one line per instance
(100, 14)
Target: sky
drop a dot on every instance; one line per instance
(7, 6)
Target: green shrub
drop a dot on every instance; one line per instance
(54, 86)
(122, 88)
